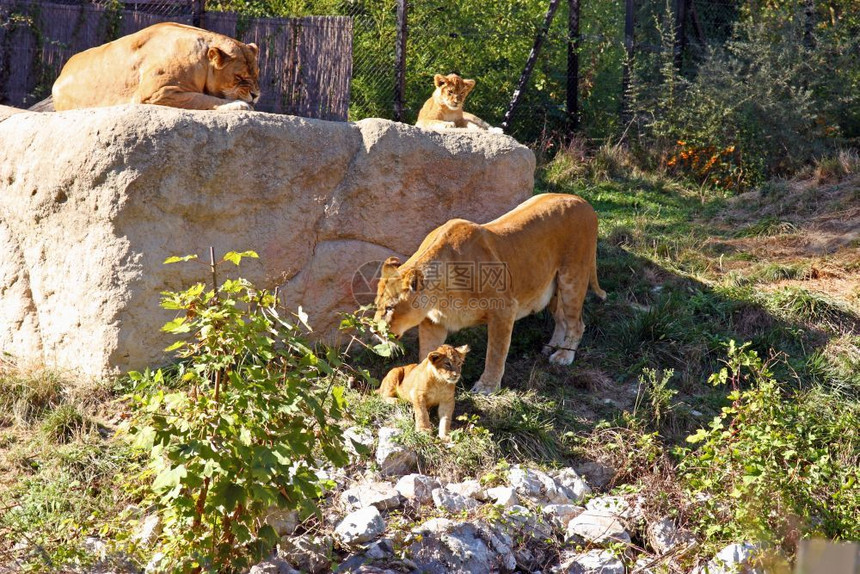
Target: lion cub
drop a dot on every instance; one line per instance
(445, 108)
(427, 384)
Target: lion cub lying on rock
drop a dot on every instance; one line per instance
(444, 109)
(428, 384)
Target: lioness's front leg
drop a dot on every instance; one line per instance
(175, 97)
(422, 415)
(446, 411)
(499, 330)
(430, 337)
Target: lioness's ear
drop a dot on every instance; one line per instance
(218, 57)
(440, 80)
(413, 280)
(435, 357)
(463, 349)
(468, 84)
(389, 268)
(254, 49)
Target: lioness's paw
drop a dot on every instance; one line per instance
(235, 105)
(562, 357)
(482, 388)
(547, 350)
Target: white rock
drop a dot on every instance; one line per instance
(592, 562)
(154, 564)
(417, 487)
(664, 536)
(597, 474)
(148, 530)
(308, 553)
(285, 522)
(380, 549)
(361, 435)
(92, 202)
(468, 488)
(574, 486)
(597, 527)
(360, 526)
(393, 458)
(460, 548)
(503, 495)
(382, 495)
(452, 502)
(734, 559)
(561, 514)
(613, 504)
(273, 566)
(524, 522)
(96, 547)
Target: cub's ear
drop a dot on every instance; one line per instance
(436, 357)
(439, 80)
(389, 268)
(413, 280)
(218, 57)
(254, 48)
(468, 85)
(463, 349)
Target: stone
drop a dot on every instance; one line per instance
(452, 502)
(393, 459)
(734, 559)
(597, 474)
(382, 495)
(664, 536)
(308, 553)
(561, 514)
(597, 527)
(380, 549)
(273, 566)
(360, 526)
(445, 546)
(92, 202)
(503, 495)
(285, 522)
(523, 522)
(612, 504)
(148, 530)
(468, 488)
(536, 485)
(361, 435)
(573, 485)
(417, 487)
(592, 562)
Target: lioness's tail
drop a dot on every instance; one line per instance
(592, 280)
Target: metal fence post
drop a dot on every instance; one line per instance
(680, 31)
(628, 63)
(197, 10)
(572, 66)
(400, 60)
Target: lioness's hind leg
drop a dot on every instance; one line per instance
(560, 329)
(571, 294)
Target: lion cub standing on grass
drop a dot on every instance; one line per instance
(427, 384)
(444, 109)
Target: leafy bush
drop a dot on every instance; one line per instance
(241, 428)
(775, 464)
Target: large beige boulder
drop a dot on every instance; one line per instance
(93, 201)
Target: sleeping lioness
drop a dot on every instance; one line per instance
(444, 109)
(167, 64)
(543, 252)
(427, 384)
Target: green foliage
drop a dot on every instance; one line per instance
(774, 460)
(241, 429)
(653, 387)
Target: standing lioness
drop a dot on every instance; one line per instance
(543, 252)
(167, 64)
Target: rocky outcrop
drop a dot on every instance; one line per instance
(93, 201)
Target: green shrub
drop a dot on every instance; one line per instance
(775, 462)
(240, 430)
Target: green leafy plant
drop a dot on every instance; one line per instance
(774, 464)
(240, 429)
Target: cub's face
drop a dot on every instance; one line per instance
(451, 90)
(398, 298)
(448, 362)
(235, 73)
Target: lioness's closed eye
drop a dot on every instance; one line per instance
(167, 64)
(444, 109)
(430, 383)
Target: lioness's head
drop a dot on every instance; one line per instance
(448, 362)
(451, 90)
(234, 74)
(398, 297)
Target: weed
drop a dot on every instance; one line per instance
(63, 424)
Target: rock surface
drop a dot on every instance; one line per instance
(418, 487)
(393, 459)
(592, 562)
(597, 527)
(360, 526)
(93, 201)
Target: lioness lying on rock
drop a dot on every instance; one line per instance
(444, 109)
(543, 252)
(167, 64)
